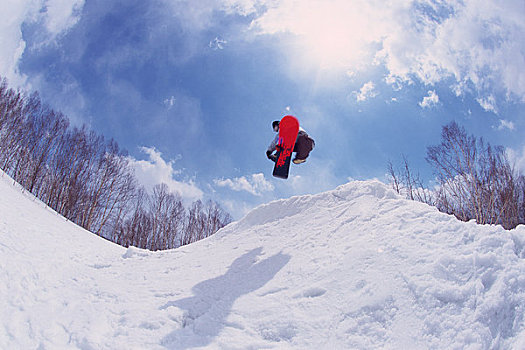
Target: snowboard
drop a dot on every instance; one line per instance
(288, 129)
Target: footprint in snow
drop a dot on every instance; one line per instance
(313, 292)
(100, 266)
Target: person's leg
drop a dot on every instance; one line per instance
(303, 147)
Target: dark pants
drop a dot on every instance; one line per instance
(303, 145)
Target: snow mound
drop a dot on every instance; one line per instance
(274, 211)
(353, 268)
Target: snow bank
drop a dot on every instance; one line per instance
(353, 268)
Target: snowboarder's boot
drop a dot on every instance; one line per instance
(298, 161)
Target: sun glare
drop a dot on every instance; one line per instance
(334, 40)
(331, 34)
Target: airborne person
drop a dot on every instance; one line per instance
(304, 144)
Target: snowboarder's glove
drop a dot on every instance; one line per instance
(271, 156)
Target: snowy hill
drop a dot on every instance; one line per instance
(354, 268)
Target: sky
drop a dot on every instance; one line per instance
(190, 88)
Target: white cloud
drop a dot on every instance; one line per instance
(429, 101)
(315, 176)
(330, 33)
(478, 43)
(517, 158)
(237, 208)
(505, 124)
(169, 102)
(488, 104)
(475, 42)
(156, 170)
(256, 184)
(242, 7)
(367, 91)
(57, 15)
(217, 44)
(12, 15)
(60, 15)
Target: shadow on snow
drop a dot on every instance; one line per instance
(206, 311)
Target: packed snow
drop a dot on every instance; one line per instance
(354, 268)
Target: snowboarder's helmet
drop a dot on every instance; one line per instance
(275, 124)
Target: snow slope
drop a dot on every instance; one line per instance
(354, 268)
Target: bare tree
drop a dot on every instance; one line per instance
(406, 183)
(134, 229)
(90, 181)
(203, 221)
(160, 221)
(476, 180)
(521, 190)
(11, 126)
(46, 128)
(394, 178)
(193, 230)
(216, 218)
(167, 217)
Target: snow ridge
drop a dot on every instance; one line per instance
(357, 267)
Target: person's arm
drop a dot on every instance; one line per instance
(272, 147)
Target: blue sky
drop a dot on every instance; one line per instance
(190, 88)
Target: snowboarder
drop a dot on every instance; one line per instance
(304, 144)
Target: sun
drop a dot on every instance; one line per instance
(334, 34)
